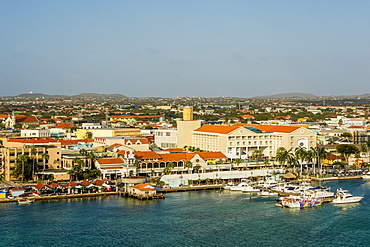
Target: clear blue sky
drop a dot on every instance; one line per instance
(175, 48)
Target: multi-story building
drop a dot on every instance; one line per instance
(106, 132)
(165, 138)
(240, 142)
(12, 150)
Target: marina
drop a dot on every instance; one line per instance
(192, 218)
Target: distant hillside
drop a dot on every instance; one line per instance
(82, 95)
(286, 95)
(97, 95)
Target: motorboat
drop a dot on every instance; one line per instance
(228, 185)
(248, 189)
(343, 196)
(320, 192)
(299, 202)
(268, 193)
(25, 201)
(240, 186)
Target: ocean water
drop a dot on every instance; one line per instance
(198, 218)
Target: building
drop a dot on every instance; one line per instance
(241, 142)
(34, 149)
(165, 138)
(106, 132)
(115, 168)
(135, 143)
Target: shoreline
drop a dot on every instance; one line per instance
(5, 200)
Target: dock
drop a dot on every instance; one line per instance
(67, 196)
(192, 188)
(142, 197)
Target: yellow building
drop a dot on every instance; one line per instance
(241, 142)
(111, 132)
(10, 155)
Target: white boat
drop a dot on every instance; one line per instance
(248, 189)
(343, 196)
(239, 187)
(228, 186)
(320, 192)
(366, 176)
(268, 193)
(24, 201)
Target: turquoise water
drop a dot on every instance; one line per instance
(199, 218)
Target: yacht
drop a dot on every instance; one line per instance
(248, 188)
(343, 196)
(240, 186)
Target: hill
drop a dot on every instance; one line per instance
(286, 95)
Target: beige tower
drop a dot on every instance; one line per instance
(185, 128)
(187, 114)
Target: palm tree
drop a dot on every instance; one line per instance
(71, 173)
(188, 165)
(237, 161)
(84, 153)
(365, 149)
(282, 156)
(91, 156)
(300, 154)
(257, 155)
(319, 153)
(170, 166)
(45, 156)
(33, 152)
(23, 158)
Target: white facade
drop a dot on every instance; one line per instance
(27, 133)
(91, 126)
(165, 138)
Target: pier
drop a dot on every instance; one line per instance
(67, 196)
(192, 188)
(141, 197)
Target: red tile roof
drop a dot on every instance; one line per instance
(143, 187)
(85, 183)
(274, 128)
(221, 129)
(98, 182)
(146, 155)
(64, 126)
(110, 161)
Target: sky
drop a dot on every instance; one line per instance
(194, 48)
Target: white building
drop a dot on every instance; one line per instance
(165, 138)
(28, 133)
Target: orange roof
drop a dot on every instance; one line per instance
(53, 185)
(85, 183)
(356, 127)
(212, 155)
(64, 126)
(98, 182)
(74, 142)
(239, 124)
(110, 161)
(39, 186)
(247, 116)
(274, 128)
(173, 157)
(146, 155)
(26, 119)
(143, 187)
(221, 129)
